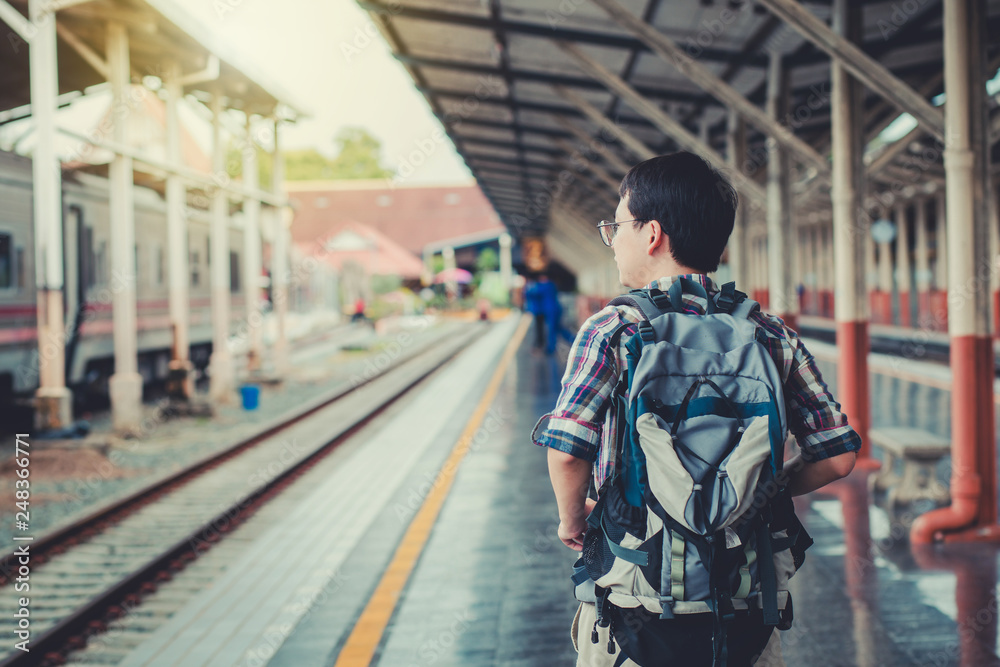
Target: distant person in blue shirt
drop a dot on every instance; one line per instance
(533, 304)
(552, 311)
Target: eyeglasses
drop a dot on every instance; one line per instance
(609, 229)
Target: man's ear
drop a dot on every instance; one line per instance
(656, 237)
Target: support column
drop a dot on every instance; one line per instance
(506, 264)
(736, 156)
(940, 297)
(871, 275)
(125, 386)
(824, 258)
(991, 202)
(972, 515)
(809, 282)
(252, 254)
(798, 263)
(448, 255)
(181, 378)
(851, 311)
(221, 361)
(279, 260)
(53, 401)
(781, 296)
(923, 271)
(885, 283)
(904, 282)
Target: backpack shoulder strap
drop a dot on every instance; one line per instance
(650, 302)
(736, 303)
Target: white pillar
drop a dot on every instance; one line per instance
(125, 385)
(252, 252)
(506, 263)
(941, 222)
(781, 299)
(923, 273)
(448, 254)
(736, 156)
(177, 244)
(221, 362)
(904, 283)
(279, 260)
(53, 399)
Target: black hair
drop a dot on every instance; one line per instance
(694, 204)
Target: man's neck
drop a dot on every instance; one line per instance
(666, 270)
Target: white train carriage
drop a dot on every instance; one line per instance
(89, 285)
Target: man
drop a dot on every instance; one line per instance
(674, 219)
(552, 312)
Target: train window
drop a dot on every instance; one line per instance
(158, 259)
(19, 267)
(102, 263)
(234, 272)
(6, 262)
(195, 269)
(89, 260)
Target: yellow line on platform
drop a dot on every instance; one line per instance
(367, 633)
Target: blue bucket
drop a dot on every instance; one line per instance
(251, 396)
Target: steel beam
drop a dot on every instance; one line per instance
(867, 70)
(708, 81)
(661, 119)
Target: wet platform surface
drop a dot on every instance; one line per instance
(491, 585)
(492, 588)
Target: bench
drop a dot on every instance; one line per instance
(920, 452)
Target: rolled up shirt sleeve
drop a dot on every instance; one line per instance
(814, 416)
(574, 425)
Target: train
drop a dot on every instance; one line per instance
(88, 285)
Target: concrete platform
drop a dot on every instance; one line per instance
(491, 584)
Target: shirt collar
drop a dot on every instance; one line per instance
(663, 284)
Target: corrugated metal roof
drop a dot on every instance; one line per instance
(490, 69)
(159, 30)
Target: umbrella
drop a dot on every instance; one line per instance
(455, 275)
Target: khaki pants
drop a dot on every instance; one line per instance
(596, 655)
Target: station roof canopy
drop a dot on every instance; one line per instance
(538, 95)
(158, 30)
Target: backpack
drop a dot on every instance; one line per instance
(692, 541)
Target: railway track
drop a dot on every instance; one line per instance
(88, 574)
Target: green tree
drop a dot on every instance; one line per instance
(359, 155)
(487, 260)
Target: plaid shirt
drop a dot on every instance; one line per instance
(581, 424)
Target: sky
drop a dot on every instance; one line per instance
(329, 56)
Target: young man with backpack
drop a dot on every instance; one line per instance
(676, 402)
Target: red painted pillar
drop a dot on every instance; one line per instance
(972, 514)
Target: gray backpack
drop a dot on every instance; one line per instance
(692, 541)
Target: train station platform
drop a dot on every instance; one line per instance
(458, 562)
